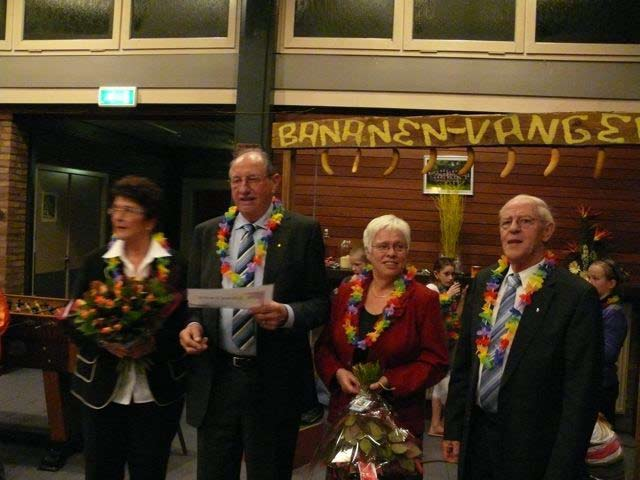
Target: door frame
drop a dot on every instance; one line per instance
(189, 187)
(103, 205)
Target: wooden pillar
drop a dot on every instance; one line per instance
(14, 170)
(288, 176)
(256, 72)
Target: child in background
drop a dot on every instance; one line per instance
(451, 304)
(358, 260)
(605, 276)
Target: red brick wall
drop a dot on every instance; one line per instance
(13, 205)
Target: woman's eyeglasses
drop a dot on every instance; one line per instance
(385, 247)
(125, 210)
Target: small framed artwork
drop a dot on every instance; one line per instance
(444, 178)
(49, 211)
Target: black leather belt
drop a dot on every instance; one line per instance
(492, 418)
(236, 361)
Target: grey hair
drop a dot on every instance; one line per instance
(264, 156)
(543, 209)
(385, 222)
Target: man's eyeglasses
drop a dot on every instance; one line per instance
(522, 222)
(125, 210)
(385, 247)
(251, 180)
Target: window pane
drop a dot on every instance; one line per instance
(492, 20)
(588, 21)
(3, 19)
(68, 19)
(189, 18)
(344, 19)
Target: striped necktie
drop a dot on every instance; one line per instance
(242, 324)
(490, 380)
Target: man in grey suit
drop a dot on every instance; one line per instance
(250, 367)
(525, 381)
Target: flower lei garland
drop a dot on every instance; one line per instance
(613, 300)
(483, 336)
(222, 243)
(113, 270)
(448, 308)
(351, 320)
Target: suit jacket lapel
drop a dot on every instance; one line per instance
(531, 322)
(216, 276)
(276, 250)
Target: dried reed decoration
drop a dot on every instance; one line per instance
(451, 211)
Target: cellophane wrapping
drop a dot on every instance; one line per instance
(366, 443)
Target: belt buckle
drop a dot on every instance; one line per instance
(240, 362)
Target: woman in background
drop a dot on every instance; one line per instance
(451, 304)
(606, 277)
(130, 414)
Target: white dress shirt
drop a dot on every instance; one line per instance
(226, 314)
(524, 278)
(132, 383)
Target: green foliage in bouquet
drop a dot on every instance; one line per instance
(367, 373)
(122, 310)
(368, 434)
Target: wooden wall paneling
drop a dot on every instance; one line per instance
(345, 202)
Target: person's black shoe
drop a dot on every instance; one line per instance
(312, 416)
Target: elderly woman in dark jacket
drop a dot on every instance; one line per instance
(132, 394)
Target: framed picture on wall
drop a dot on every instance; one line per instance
(444, 178)
(49, 210)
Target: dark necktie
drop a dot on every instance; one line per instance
(242, 324)
(490, 381)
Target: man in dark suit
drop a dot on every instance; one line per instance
(523, 398)
(250, 367)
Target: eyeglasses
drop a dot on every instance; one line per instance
(125, 210)
(385, 247)
(251, 180)
(522, 222)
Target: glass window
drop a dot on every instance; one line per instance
(588, 21)
(189, 18)
(3, 19)
(344, 19)
(68, 19)
(490, 20)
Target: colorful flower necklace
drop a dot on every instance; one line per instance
(351, 320)
(222, 244)
(613, 300)
(483, 336)
(448, 309)
(113, 270)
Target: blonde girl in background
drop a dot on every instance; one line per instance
(451, 304)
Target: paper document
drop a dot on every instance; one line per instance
(246, 297)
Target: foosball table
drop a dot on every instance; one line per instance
(34, 338)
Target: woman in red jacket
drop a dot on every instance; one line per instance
(384, 315)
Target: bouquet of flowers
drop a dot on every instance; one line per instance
(123, 310)
(592, 244)
(366, 443)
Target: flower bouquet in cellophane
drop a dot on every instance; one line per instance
(366, 443)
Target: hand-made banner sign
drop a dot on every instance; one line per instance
(570, 129)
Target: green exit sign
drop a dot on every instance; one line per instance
(117, 97)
